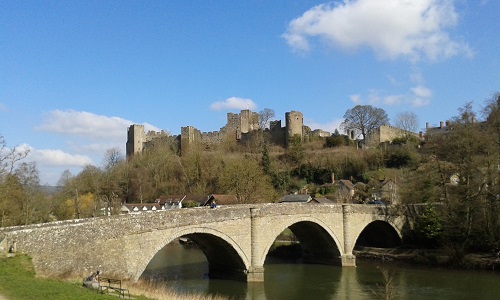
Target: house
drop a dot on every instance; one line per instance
(221, 200)
(129, 208)
(386, 192)
(194, 200)
(171, 201)
(299, 198)
(322, 200)
(344, 189)
(162, 203)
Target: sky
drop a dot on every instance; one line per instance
(75, 74)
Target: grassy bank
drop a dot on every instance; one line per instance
(18, 282)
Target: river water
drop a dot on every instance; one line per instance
(183, 271)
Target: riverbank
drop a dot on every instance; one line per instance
(427, 257)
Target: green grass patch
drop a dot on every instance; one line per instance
(18, 282)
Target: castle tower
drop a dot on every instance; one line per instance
(233, 126)
(135, 139)
(189, 136)
(249, 121)
(294, 123)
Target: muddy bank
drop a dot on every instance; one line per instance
(437, 258)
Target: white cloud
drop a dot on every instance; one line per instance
(84, 138)
(234, 103)
(421, 96)
(421, 91)
(54, 157)
(391, 28)
(87, 125)
(356, 99)
(416, 96)
(393, 100)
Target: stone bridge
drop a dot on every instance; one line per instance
(235, 239)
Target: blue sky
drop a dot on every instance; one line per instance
(75, 74)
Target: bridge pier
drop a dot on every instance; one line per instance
(256, 271)
(348, 260)
(255, 274)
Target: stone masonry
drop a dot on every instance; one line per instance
(238, 126)
(235, 239)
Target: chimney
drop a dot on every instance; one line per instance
(420, 134)
(427, 125)
(441, 124)
(473, 120)
(447, 123)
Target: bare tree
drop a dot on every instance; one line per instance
(9, 157)
(112, 157)
(265, 117)
(65, 178)
(407, 121)
(364, 118)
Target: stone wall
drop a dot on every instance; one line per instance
(135, 139)
(277, 132)
(236, 237)
(238, 126)
(386, 134)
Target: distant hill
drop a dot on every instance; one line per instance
(49, 189)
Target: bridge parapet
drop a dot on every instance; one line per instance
(123, 245)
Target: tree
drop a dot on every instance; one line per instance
(408, 121)
(364, 118)
(34, 208)
(11, 193)
(64, 178)
(265, 117)
(112, 157)
(9, 157)
(469, 207)
(245, 179)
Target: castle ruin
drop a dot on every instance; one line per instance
(237, 128)
(386, 134)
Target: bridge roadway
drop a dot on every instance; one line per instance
(235, 239)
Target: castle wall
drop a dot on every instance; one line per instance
(385, 133)
(320, 133)
(237, 126)
(277, 132)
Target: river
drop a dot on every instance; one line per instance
(183, 271)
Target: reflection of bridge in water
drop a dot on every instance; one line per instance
(234, 239)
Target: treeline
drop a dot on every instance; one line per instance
(456, 174)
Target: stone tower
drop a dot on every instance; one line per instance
(294, 123)
(189, 136)
(135, 139)
(249, 121)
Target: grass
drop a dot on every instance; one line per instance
(18, 282)
(158, 291)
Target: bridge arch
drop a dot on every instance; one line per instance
(319, 243)
(379, 234)
(225, 257)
